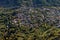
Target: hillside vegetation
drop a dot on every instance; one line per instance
(13, 26)
(29, 20)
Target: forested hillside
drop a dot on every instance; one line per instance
(28, 22)
(47, 2)
(35, 3)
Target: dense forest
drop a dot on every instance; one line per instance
(47, 2)
(35, 3)
(30, 23)
(15, 26)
